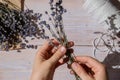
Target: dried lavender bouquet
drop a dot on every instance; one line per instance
(57, 27)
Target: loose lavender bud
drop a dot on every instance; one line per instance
(48, 26)
(23, 45)
(53, 14)
(42, 23)
(46, 12)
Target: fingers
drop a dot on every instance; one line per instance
(64, 59)
(48, 45)
(88, 67)
(43, 52)
(58, 55)
(70, 44)
(90, 62)
(52, 50)
(79, 70)
(61, 62)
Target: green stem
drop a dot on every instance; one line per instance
(71, 60)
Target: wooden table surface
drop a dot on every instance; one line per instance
(79, 26)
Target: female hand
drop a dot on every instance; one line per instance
(87, 68)
(47, 60)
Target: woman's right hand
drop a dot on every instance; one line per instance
(87, 68)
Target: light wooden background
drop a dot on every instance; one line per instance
(79, 27)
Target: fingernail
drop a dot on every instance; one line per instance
(63, 49)
(75, 65)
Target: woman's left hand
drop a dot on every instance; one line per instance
(47, 59)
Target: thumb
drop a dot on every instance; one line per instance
(79, 70)
(58, 55)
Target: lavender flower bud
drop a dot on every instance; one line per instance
(48, 26)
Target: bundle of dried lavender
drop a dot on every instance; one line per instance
(57, 27)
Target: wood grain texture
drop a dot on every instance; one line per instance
(16, 2)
